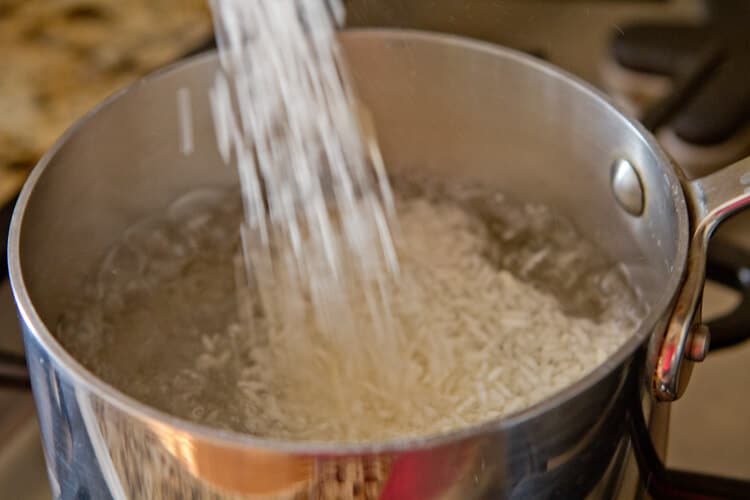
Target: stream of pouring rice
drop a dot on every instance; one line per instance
(320, 246)
(322, 239)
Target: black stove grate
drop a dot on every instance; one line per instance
(710, 64)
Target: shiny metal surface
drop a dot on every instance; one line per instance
(496, 117)
(700, 342)
(626, 186)
(713, 199)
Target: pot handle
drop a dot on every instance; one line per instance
(711, 200)
(729, 265)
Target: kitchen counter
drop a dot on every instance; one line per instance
(61, 58)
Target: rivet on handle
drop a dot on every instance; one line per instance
(698, 344)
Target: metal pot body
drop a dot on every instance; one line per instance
(448, 107)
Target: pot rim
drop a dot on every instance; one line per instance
(68, 366)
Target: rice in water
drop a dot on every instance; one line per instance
(499, 305)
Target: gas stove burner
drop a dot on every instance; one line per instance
(690, 83)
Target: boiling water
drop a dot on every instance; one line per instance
(500, 304)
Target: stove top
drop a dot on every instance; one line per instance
(23, 473)
(575, 35)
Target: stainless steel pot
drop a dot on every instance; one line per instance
(450, 107)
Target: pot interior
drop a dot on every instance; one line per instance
(444, 106)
